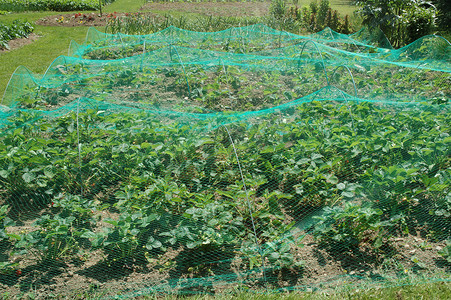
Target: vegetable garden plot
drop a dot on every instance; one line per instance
(236, 39)
(195, 80)
(130, 173)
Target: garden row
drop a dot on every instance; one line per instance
(50, 5)
(18, 29)
(136, 186)
(193, 80)
(312, 18)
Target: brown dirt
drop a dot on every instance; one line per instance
(323, 268)
(75, 19)
(228, 9)
(19, 43)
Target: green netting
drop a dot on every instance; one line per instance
(176, 165)
(236, 39)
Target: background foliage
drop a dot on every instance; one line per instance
(50, 5)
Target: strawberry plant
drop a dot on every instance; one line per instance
(446, 251)
(129, 237)
(56, 238)
(6, 266)
(350, 226)
(5, 221)
(207, 228)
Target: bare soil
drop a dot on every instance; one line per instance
(167, 273)
(19, 43)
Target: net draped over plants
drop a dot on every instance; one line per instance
(188, 162)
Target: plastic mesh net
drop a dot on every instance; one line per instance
(187, 162)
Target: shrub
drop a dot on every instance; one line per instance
(401, 21)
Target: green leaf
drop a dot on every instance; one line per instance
(153, 244)
(88, 235)
(145, 145)
(303, 161)
(331, 179)
(41, 182)
(316, 156)
(48, 172)
(28, 177)
(191, 245)
(4, 173)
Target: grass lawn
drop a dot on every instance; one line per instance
(124, 6)
(430, 291)
(344, 7)
(37, 56)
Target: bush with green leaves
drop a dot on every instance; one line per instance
(443, 14)
(52, 5)
(278, 9)
(402, 21)
(350, 226)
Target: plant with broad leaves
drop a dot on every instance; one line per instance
(56, 238)
(130, 236)
(209, 227)
(351, 225)
(446, 251)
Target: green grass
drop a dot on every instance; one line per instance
(38, 55)
(430, 291)
(124, 6)
(344, 7)
(29, 16)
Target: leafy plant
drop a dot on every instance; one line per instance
(277, 9)
(399, 18)
(129, 237)
(351, 226)
(207, 228)
(18, 29)
(56, 238)
(446, 251)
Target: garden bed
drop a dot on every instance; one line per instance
(149, 165)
